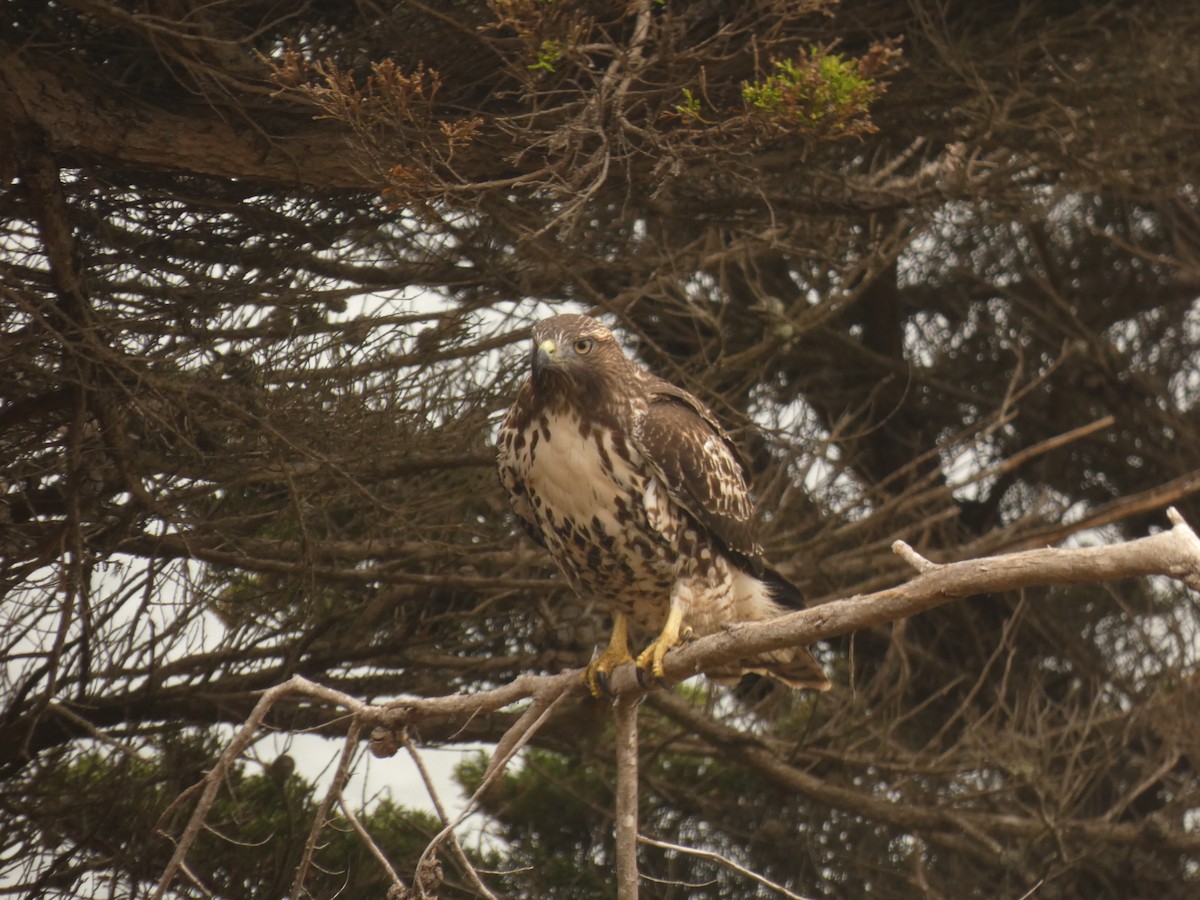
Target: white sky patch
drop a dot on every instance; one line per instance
(964, 466)
(925, 333)
(817, 466)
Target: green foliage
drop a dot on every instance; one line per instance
(690, 107)
(549, 52)
(818, 92)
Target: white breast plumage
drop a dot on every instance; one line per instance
(577, 473)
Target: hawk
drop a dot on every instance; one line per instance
(642, 500)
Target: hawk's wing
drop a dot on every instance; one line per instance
(699, 465)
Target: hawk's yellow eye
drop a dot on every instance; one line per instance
(583, 346)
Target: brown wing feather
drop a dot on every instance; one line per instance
(701, 469)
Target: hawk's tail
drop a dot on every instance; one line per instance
(794, 667)
(783, 591)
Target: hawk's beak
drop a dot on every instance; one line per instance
(545, 354)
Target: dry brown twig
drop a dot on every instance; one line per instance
(723, 861)
(1174, 553)
(340, 776)
(365, 836)
(448, 826)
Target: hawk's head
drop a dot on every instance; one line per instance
(576, 356)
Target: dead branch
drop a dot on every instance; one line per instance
(340, 776)
(721, 860)
(365, 836)
(216, 775)
(455, 846)
(522, 731)
(625, 712)
(1174, 553)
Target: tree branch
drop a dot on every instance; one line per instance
(340, 776)
(75, 119)
(724, 861)
(625, 712)
(1174, 553)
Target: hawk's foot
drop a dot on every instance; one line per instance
(615, 654)
(598, 670)
(650, 661)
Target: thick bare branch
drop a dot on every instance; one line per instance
(76, 121)
(1174, 553)
(625, 715)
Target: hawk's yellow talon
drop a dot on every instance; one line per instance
(673, 634)
(615, 654)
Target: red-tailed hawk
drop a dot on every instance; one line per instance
(642, 500)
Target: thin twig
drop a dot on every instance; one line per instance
(195, 880)
(724, 861)
(214, 777)
(496, 769)
(340, 776)
(455, 846)
(365, 835)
